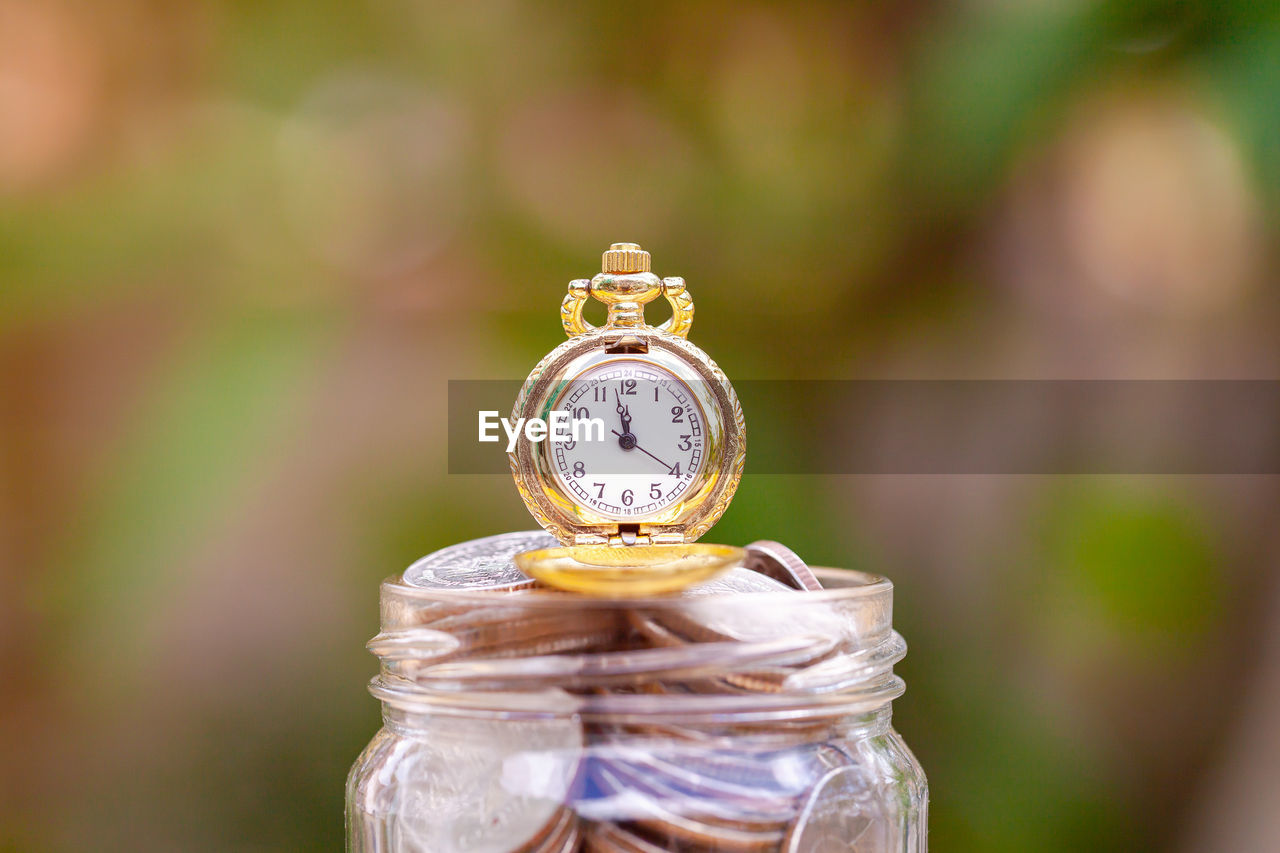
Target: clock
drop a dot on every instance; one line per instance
(644, 441)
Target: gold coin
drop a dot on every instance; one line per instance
(628, 570)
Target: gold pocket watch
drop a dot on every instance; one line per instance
(646, 441)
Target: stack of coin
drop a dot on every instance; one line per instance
(618, 781)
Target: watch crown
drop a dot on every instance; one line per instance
(625, 258)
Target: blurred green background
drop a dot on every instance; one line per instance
(245, 245)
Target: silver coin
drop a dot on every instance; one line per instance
(719, 613)
(735, 580)
(479, 564)
(746, 808)
(522, 771)
(839, 817)
(779, 562)
(735, 772)
(624, 801)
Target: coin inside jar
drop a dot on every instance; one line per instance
(561, 836)
(835, 818)
(610, 838)
(672, 821)
(596, 774)
(492, 762)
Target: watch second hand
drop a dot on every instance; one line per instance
(646, 453)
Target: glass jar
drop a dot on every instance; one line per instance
(740, 715)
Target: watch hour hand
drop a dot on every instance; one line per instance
(624, 412)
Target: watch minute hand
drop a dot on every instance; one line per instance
(646, 453)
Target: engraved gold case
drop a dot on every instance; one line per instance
(626, 346)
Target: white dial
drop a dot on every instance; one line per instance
(652, 447)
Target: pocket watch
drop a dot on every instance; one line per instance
(650, 441)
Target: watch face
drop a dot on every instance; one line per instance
(638, 439)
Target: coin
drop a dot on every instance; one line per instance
(750, 809)
(735, 580)
(647, 787)
(630, 571)
(779, 562)
(483, 634)
(768, 774)
(739, 619)
(522, 771)
(485, 629)
(758, 790)
(723, 612)
(607, 665)
(561, 836)
(479, 564)
(611, 838)
(567, 842)
(839, 817)
(666, 819)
